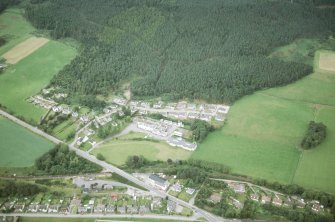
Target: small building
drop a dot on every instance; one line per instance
(265, 199)
(132, 209)
(254, 197)
(277, 201)
(176, 187)
(182, 143)
(190, 191)
(121, 209)
(215, 197)
(156, 203)
(171, 206)
(144, 209)
(237, 187)
(33, 208)
(100, 208)
(82, 209)
(43, 208)
(53, 208)
(110, 209)
(19, 207)
(158, 182)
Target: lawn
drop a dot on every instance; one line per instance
(19, 147)
(262, 135)
(117, 151)
(32, 73)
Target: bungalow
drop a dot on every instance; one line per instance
(237, 187)
(19, 207)
(265, 199)
(156, 203)
(277, 201)
(254, 197)
(100, 208)
(132, 209)
(121, 209)
(176, 187)
(193, 115)
(158, 182)
(82, 209)
(158, 105)
(190, 191)
(74, 114)
(143, 209)
(43, 208)
(53, 208)
(223, 109)
(33, 208)
(171, 206)
(110, 209)
(215, 198)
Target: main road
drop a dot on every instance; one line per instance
(210, 217)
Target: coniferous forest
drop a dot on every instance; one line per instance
(213, 50)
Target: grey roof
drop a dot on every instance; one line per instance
(159, 180)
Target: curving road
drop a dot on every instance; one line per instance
(210, 217)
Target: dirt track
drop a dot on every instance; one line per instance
(24, 49)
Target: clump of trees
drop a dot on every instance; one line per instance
(135, 162)
(11, 188)
(200, 129)
(61, 161)
(315, 135)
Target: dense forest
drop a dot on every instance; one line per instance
(213, 50)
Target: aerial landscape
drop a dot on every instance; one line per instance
(167, 110)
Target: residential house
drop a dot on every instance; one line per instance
(121, 209)
(171, 206)
(100, 208)
(176, 187)
(190, 191)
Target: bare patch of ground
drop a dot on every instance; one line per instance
(24, 49)
(327, 61)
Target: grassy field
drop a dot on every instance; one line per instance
(19, 147)
(117, 151)
(14, 27)
(32, 73)
(262, 135)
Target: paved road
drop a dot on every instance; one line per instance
(210, 217)
(105, 216)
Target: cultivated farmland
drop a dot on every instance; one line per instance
(19, 147)
(327, 61)
(24, 49)
(117, 151)
(262, 135)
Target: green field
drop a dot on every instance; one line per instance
(262, 135)
(19, 147)
(14, 27)
(117, 151)
(31, 74)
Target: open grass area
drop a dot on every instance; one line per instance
(31, 74)
(262, 135)
(14, 27)
(19, 147)
(117, 151)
